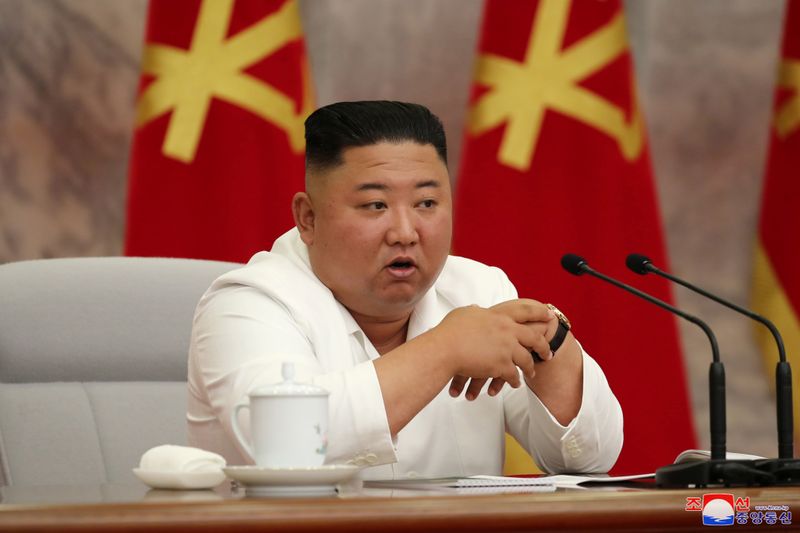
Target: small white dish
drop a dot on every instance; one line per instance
(315, 480)
(180, 480)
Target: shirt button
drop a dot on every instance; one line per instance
(412, 474)
(371, 458)
(360, 461)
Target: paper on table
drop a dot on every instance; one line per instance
(471, 482)
(704, 455)
(501, 483)
(564, 481)
(507, 489)
(559, 480)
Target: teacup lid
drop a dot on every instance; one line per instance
(288, 387)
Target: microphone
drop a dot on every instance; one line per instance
(641, 264)
(718, 469)
(578, 266)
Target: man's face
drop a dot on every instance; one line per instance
(378, 227)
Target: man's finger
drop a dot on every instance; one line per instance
(532, 337)
(495, 386)
(524, 360)
(511, 376)
(524, 310)
(457, 385)
(474, 388)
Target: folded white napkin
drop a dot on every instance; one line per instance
(171, 458)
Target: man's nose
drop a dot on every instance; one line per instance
(403, 229)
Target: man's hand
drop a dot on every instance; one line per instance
(492, 343)
(475, 345)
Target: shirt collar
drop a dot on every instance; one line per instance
(424, 316)
(349, 322)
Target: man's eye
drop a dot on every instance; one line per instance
(375, 206)
(428, 203)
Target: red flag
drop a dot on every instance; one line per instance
(776, 288)
(218, 147)
(555, 161)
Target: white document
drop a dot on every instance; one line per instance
(500, 484)
(564, 481)
(704, 455)
(472, 484)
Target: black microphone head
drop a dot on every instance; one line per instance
(638, 263)
(574, 264)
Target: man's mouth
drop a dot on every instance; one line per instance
(402, 267)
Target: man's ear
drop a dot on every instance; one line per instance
(304, 216)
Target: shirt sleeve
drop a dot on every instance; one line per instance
(590, 443)
(240, 339)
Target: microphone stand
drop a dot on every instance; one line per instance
(785, 468)
(718, 470)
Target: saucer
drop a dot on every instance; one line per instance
(180, 480)
(319, 480)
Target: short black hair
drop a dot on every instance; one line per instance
(333, 128)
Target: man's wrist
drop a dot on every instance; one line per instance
(562, 328)
(557, 340)
(438, 345)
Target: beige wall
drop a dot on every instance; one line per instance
(68, 73)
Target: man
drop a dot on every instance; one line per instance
(362, 296)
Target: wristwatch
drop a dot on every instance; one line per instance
(561, 332)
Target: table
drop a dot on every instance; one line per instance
(129, 508)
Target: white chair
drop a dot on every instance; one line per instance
(93, 364)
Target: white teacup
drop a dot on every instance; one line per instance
(288, 423)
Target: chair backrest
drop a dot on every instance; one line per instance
(93, 358)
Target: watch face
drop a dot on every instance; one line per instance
(561, 316)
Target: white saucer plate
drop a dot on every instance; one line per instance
(180, 480)
(288, 481)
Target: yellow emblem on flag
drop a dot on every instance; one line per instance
(770, 299)
(520, 93)
(213, 67)
(787, 117)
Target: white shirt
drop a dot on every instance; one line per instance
(275, 309)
